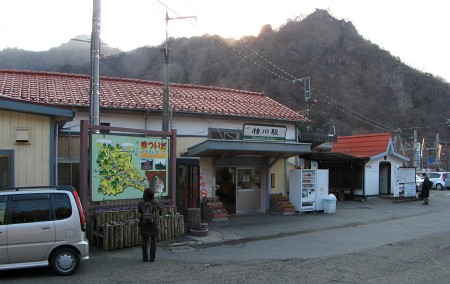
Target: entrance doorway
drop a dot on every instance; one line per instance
(226, 188)
(385, 178)
(248, 190)
(239, 189)
(188, 176)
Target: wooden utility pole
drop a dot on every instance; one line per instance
(166, 52)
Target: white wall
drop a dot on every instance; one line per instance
(372, 175)
(185, 126)
(371, 182)
(191, 131)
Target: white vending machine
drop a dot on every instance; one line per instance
(307, 188)
(322, 178)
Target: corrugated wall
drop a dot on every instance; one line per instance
(32, 158)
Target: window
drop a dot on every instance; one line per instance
(6, 168)
(28, 208)
(63, 209)
(68, 160)
(225, 134)
(2, 209)
(433, 175)
(69, 174)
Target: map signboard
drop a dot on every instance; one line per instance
(405, 182)
(123, 166)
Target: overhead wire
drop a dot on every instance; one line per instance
(326, 99)
(286, 76)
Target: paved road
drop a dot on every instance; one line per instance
(376, 241)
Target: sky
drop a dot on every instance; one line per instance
(415, 31)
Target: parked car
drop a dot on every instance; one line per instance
(419, 181)
(42, 226)
(441, 180)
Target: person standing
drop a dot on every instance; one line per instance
(148, 229)
(426, 185)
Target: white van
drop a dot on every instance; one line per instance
(42, 226)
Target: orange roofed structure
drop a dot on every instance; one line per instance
(376, 175)
(366, 146)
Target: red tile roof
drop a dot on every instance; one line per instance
(121, 93)
(362, 145)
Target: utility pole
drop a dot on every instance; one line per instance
(398, 131)
(307, 94)
(416, 149)
(166, 52)
(94, 103)
(438, 150)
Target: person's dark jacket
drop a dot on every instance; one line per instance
(426, 185)
(148, 230)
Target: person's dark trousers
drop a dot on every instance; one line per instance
(152, 248)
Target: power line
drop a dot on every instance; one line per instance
(326, 99)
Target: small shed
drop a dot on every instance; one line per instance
(360, 166)
(379, 169)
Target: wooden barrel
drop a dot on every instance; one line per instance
(194, 218)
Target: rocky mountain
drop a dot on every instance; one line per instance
(355, 86)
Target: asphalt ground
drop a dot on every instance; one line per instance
(354, 226)
(376, 241)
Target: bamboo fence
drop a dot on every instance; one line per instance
(119, 228)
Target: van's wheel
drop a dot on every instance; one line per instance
(439, 186)
(65, 261)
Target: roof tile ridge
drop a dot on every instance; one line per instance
(132, 80)
(366, 135)
(204, 87)
(46, 73)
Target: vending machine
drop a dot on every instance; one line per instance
(307, 188)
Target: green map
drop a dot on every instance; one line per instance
(116, 168)
(117, 171)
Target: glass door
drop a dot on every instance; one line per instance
(248, 190)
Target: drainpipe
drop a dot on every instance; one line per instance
(266, 209)
(296, 141)
(364, 182)
(56, 153)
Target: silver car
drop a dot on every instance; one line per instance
(441, 180)
(42, 226)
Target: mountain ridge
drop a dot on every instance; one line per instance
(356, 86)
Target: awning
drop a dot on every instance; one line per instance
(216, 148)
(59, 113)
(333, 157)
